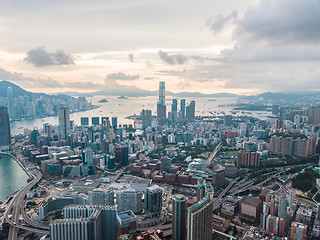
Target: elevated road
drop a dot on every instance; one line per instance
(213, 154)
(16, 206)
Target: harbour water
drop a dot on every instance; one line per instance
(122, 108)
(12, 176)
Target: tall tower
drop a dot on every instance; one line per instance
(183, 108)
(179, 217)
(162, 93)
(64, 123)
(5, 135)
(161, 105)
(174, 106)
(199, 224)
(10, 102)
(190, 111)
(153, 201)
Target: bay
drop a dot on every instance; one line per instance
(122, 108)
(12, 177)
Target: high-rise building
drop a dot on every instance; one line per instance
(282, 210)
(174, 106)
(85, 222)
(290, 199)
(153, 201)
(146, 117)
(248, 159)
(114, 121)
(190, 111)
(161, 105)
(64, 123)
(299, 231)
(84, 121)
(228, 120)
(95, 120)
(10, 103)
(122, 155)
(272, 225)
(101, 197)
(183, 108)
(179, 217)
(161, 111)
(162, 93)
(5, 139)
(105, 121)
(199, 224)
(314, 115)
(129, 200)
(87, 156)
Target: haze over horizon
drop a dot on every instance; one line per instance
(241, 47)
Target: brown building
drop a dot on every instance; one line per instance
(248, 159)
(299, 231)
(301, 147)
(251, 209)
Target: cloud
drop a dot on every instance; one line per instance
(85, 85)
(286, 30)
(174, 59)
(121, 76)
(217, 23)
(28, 82)
(39, 57)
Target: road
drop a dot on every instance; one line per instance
(213, 154)
(216, 204)
(120, 173)
(16, 206)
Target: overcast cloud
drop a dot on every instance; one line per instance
(209, 46)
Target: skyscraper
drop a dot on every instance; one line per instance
(282, 210)
(85, 222)
(129, 199)
(64, 123)
(174, 106)
(114, 121)
(161, 105)
(84, 121)
(101, 197)
(190, 111)
(122, 155)
(95, 120)
(183, 108)
(162, 93)
(5, 139)
(146, 117)
(153, 201)
(199, 224)
(179, 217)
(10, 102)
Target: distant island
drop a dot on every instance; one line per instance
(212, 100)
(103, 101)
(122, 97)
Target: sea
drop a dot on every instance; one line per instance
(122, 108)
(12, 177)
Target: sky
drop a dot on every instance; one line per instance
(207, 46)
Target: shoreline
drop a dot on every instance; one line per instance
(22, 167)
(54, 115)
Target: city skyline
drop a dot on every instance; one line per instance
(209, 47)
